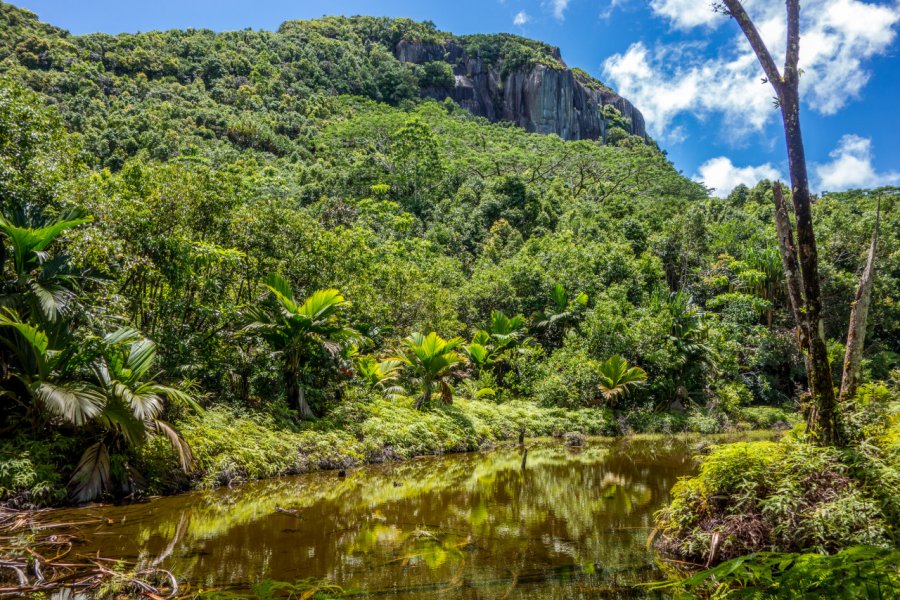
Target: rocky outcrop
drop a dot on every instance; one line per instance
(539, 98)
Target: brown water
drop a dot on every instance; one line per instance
(569, 524)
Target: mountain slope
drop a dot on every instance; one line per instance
(499, 77)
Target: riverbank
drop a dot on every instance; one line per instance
(232, 447)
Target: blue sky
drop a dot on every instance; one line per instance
(686, 68)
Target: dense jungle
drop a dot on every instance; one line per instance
(238, 256)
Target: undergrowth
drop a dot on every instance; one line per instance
(231, 446)
(792, 495)
(857, 572)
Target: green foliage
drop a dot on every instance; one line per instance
(856, 572)
(207, 161)
(617, 379)
(231, 447)
(432, 360)
(437, 75)
(299, 331)
(788, 495)
(31, 471)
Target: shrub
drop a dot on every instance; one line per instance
(704, 421)
(767, 417)
(647, 420)
(785, 496)
(857, 572)
(571, 379)
(30, 471)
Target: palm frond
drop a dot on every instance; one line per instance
(120, 417)
(91, 476)
(52, 300)
(141, 357)
(617, 378)
(282, 291)
(77, 402)
(181, 447)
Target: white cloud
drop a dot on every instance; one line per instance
(851, 167)
(559, 8)
(521, 18)
(685, 14)
(722, 175)
(606, 12)
(666, 80)
(651, 79)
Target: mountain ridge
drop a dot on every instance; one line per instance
(501, 77)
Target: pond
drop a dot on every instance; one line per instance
(563, 523)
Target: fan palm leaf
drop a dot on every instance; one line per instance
(91, 476)
(617, 378)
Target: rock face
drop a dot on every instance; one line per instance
(538, 98)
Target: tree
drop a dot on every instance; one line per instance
(416, 159)
(41, 288)
(300, 332)
(121, 395)
(381, 375)
(133, 407)
(44, 365)
(501, 335)
(432, 360)
(617, 379)
(553, 322)
(859, 313)
(800, 261)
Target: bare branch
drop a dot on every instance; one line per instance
(791, 74)
(736, 10)
(856, 333)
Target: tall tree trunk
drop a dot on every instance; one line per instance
(791, 267)
(822, 419)
(302, 406)
(295, 394)
(822, 416)
(859, 314)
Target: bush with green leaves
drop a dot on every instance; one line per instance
(856, 572)
(785, 496)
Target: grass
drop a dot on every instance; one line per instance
(232, 446)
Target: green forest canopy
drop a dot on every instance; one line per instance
(208, 162)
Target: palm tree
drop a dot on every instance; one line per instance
(300, 332)
(132, 407)
(554, 321)
(43, 288)
(432, 360)
(505, 331)
(695, 359)
(617, 379)
(44, 371)
(501, 334)
(121, 396)
(380, 375)
(480, 352)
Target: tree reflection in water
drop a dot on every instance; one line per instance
(571, 524)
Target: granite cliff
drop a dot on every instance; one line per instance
(542, 97)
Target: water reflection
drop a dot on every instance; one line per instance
(570, 524)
